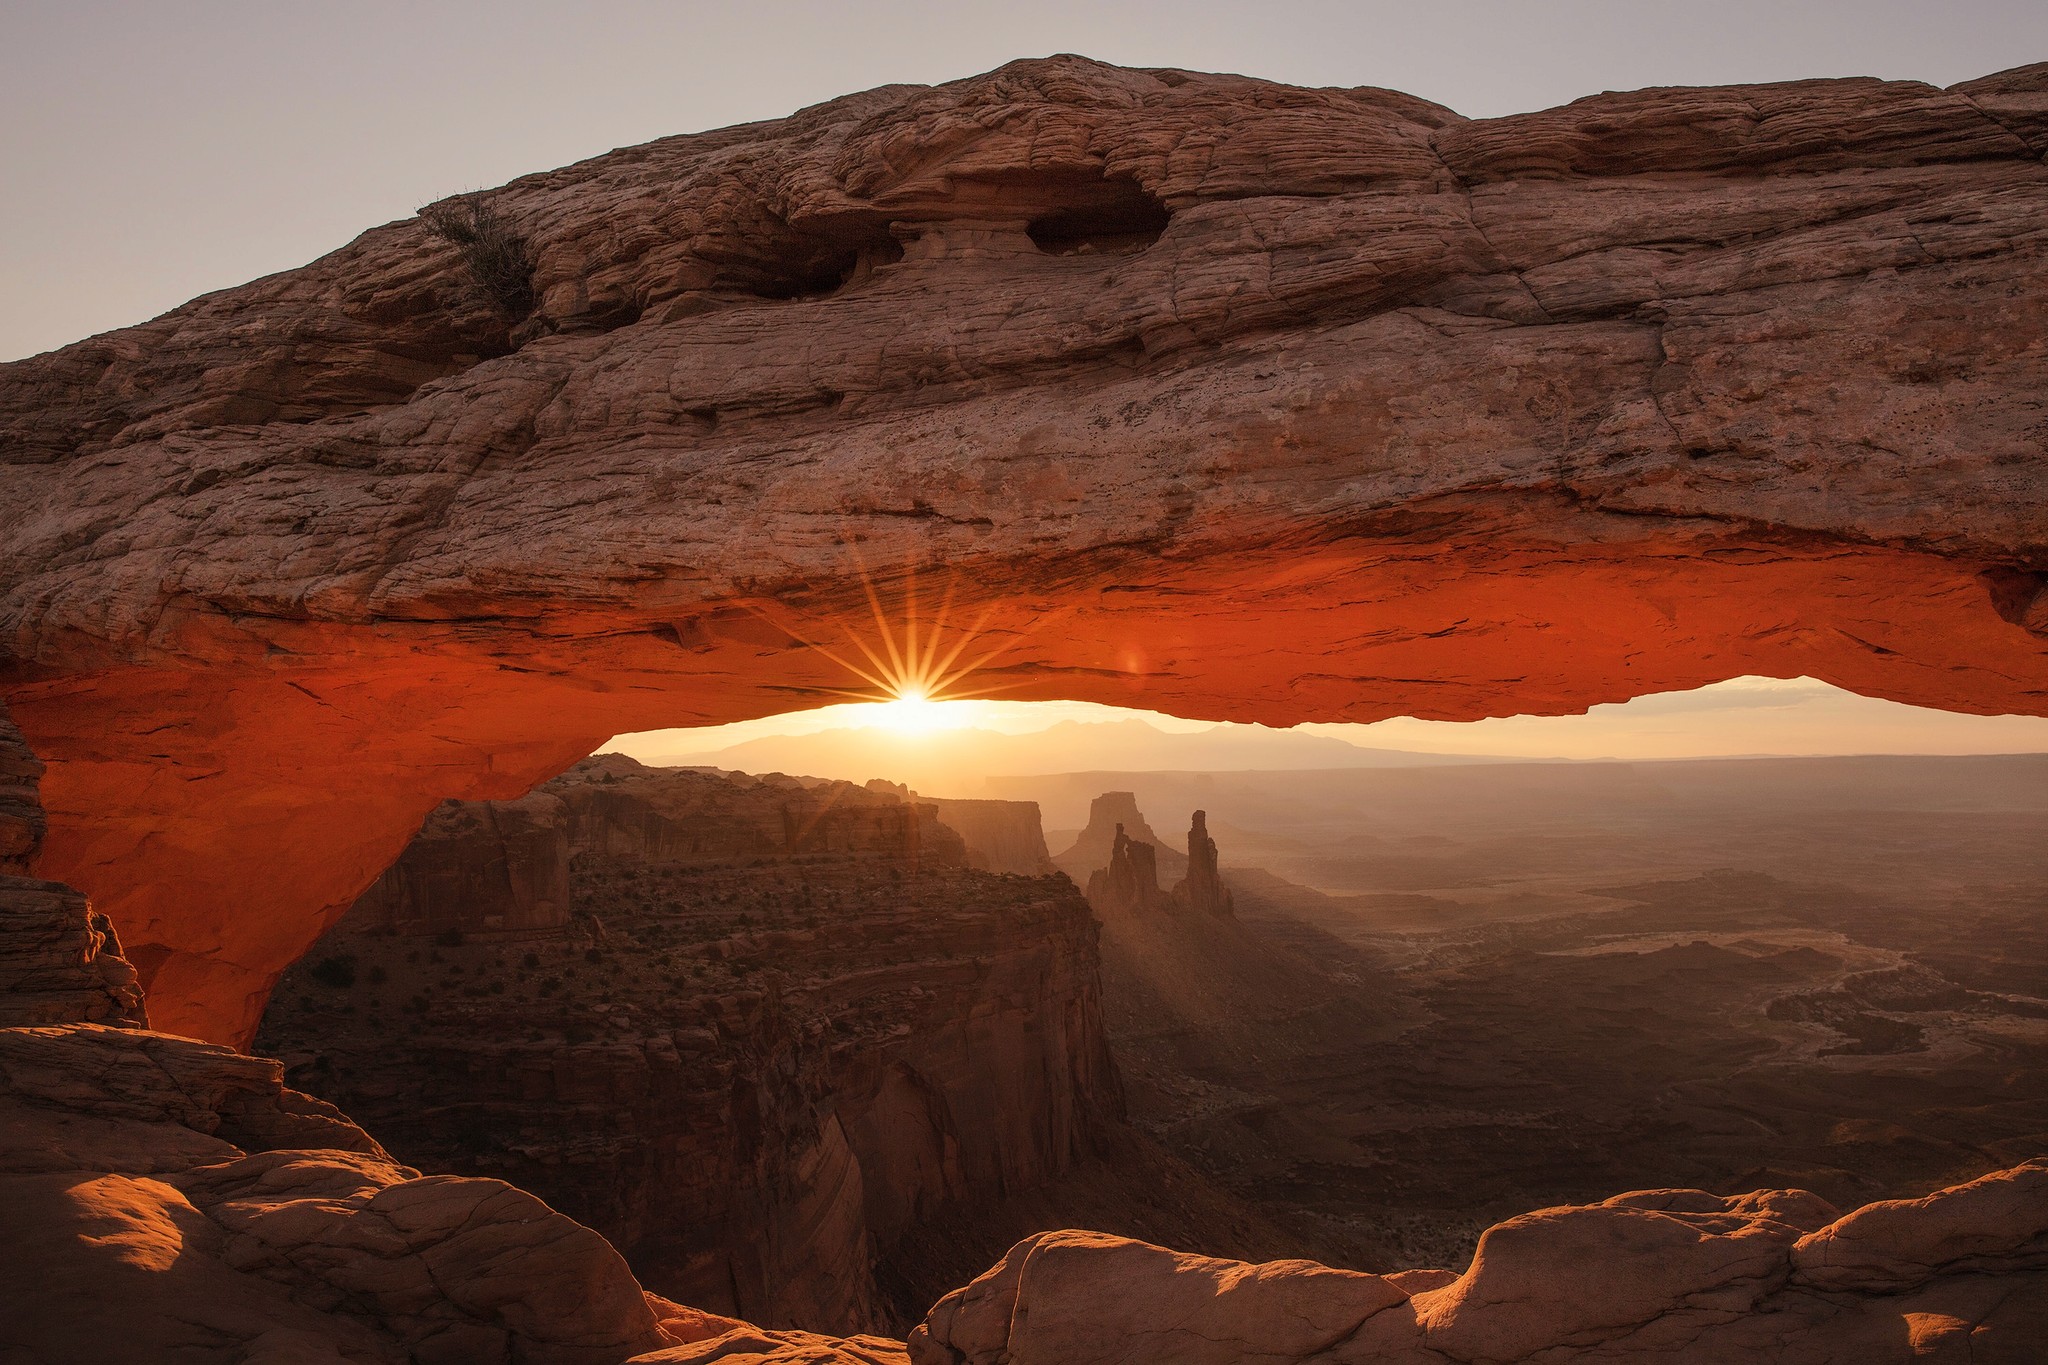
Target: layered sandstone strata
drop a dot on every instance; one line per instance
(1001, 836)
(1209, 395)
(503, 866)
(619, 808)
(478, 866)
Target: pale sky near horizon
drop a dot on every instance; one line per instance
(1742, 717)
(156, 150)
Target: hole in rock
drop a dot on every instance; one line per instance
(821, 260)
(607, 315)
(1110, 215)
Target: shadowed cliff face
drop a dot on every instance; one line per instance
(776, 1028)
(1228, 399)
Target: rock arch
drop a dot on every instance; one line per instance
(1398, 413)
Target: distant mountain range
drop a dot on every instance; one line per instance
(957, 762)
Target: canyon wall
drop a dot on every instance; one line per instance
(618, 808)
(503, 866)
(477, 866)
(1001, 836)
(783, 1026)
(1199, 393)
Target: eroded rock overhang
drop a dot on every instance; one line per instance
(1219, 397)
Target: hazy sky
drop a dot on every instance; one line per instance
(1743, 716)
(157, 149)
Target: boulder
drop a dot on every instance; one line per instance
(175, 1199)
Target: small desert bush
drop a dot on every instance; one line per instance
(499, 261)
(338, 971)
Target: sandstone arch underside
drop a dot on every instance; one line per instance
(1219, 397)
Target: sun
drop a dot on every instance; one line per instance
(912, 679)
(912, 712)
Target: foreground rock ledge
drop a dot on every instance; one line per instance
(1666, 1275)
(171, 1200)
(174, 1198)
(1220, 397)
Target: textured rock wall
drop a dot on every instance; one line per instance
(60, 961)
(503, 866)
(21, 809)
(618, 808)
(1224, 398)
(477, 867)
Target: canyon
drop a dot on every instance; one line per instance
(1188, 391)
(1368, 1081)
(780, 1043)
(178, 1194)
